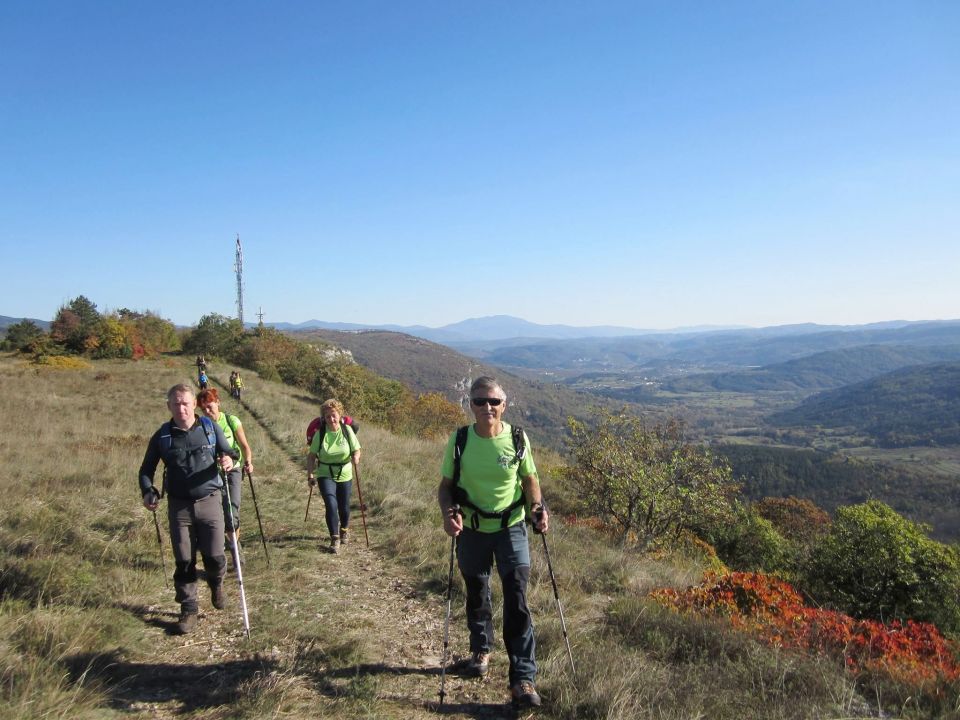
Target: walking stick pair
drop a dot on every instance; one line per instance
(446, 626)
(363, 507)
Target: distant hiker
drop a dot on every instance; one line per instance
(201, 363)
(202, 380)
(189, 447)
(209, 402)
(489, 473)
(236, 384)
(334, 448)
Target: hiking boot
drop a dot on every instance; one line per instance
(524, 695)
(334, 544)
(217, 597)
(343, 536)
(186, 624)
(479, 664)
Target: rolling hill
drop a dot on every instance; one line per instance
(820, 371)
(424, 367)
(726, 350)
(917, 405)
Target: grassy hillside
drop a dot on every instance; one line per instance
(85, 611)
(425, 366)
(913, 406)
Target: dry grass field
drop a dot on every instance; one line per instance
(86, 612)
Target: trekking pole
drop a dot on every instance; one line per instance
(556, 595)
(253, 494)
(235, 551)
(309, 498)
(363, 508)
(446, 625)
(163, 560)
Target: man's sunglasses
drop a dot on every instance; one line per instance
(480, 402)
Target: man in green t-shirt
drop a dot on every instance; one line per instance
(494, 491)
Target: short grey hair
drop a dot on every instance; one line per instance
(180, 388)
(488, 385)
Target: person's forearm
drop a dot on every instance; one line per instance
(531, 490)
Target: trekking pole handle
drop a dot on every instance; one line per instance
(537, 515)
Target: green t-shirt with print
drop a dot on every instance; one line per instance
(490, 475)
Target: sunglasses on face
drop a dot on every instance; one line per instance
(480, 402)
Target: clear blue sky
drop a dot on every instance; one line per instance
(650, 164)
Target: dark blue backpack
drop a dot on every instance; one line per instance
(166, 440)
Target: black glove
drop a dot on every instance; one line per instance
(151, 497)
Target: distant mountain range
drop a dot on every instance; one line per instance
(721, 349)
(486, 333)
(494, 327)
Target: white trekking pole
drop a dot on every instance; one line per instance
(235, 550)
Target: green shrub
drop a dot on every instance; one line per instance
(873, 563)
(751, 544)
(651, 482)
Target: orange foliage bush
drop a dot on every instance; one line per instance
(912, 653)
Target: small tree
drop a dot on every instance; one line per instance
(873, 563)
(75, 326)
(751, 543)
(215, 335)
(21, 335)
(651, 482)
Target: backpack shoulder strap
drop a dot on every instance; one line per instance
(519, 443)
(461, 442)
(230, 423)
(165, 439)
(211, 434)
(350, 437)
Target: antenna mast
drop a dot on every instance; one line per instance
(238, 268)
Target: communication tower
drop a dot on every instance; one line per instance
(238, 268)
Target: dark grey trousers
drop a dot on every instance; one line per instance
(196, 525)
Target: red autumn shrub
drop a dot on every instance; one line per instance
(912, 653)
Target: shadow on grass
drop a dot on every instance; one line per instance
(473, 709)
(128, 684)
(166, 620)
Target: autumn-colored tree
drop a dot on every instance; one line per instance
(797, 519)
(649, 481)
(147, 334)
(75, 326)
(432, 416)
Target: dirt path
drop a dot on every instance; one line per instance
(387, 667)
